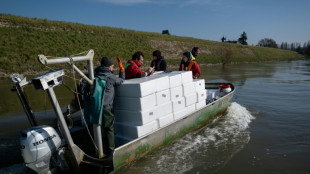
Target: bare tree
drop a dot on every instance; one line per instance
(267, 42)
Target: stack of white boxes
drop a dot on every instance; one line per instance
(144, 105)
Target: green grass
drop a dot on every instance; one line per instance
(22, 39)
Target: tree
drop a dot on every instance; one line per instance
(267, 42)
(243, 39)
(223, 39)
(307, 49)
(165, 32)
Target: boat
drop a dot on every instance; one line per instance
(138, 148)
(62, 143)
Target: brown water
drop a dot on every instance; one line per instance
(265, 130)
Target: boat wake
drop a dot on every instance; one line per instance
(208, 149)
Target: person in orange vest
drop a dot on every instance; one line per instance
(188, 63)
(133, 67)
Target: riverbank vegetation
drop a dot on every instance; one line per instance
(22, 39)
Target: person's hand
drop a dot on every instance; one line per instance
(120, 65)
(150, 71)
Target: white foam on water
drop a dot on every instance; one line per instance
(209, 147)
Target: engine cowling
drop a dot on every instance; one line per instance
(37, 146)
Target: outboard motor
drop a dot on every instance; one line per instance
(40, 148)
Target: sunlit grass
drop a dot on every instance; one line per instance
(22, 39)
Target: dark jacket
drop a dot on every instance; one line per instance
(110, 86)
(133, 71)
(159, 64)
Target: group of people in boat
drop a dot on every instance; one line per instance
(130, 71)
(188, 63)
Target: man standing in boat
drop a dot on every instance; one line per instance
(132, 67)
(188, 63)
(106, 69)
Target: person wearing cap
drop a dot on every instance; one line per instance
(133, 67)
(158, 63)
(106, 69)
(188, 63)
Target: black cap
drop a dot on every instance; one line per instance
(106, 62)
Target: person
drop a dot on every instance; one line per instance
(190, 65)
(158, 63)
(195, 52)
(106, 69)
(132, 67)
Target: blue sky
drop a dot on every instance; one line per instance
(281, 20)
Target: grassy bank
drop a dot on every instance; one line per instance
(22, 39)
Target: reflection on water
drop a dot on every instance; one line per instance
(38, 99)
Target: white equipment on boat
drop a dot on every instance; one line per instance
(224, 89)
(38, 145)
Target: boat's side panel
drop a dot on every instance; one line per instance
(140, 147)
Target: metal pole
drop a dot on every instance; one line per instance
(76, 153)
(25, 105)
(96, 127)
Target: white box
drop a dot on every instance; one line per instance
(201, 95)
(180, 114)
(137, 118)
(161, 82)
(187, 76)
(185, 112)
(164, 109)
(199, 84)
(133, 132)
(175, 79)
(135, 104)
(190, 109)
(162, 97)
(163, 121)
(200, 104)
(138, 87)
(178, 104)
(190, 99)
(176, 92)
(188, 88)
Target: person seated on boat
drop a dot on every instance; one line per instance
(188, 63)
(158, 63)
(133, 67)
(106, 69)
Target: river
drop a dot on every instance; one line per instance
(265, 130)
